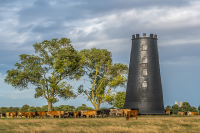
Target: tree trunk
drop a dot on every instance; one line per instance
(49, 106)
(97, 106)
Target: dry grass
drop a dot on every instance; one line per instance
(151, 124)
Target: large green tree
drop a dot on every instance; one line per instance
(56, 58)
(185, 107)
(103, 75)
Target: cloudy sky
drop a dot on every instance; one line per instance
(105, 24)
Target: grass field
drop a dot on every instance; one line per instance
(144, 124)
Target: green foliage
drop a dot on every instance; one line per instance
(4, 109)
(56, 108)
(192, 109)
(79, 108)
(175, 108)
(38, 109)
(185, 107)
(103, 108)
(110, 98)
(168, 107)
(32, 109)
(45, 108)
(199, 107)
(11, 109)
(15, 109)
(25, 108)
(66, 108)
(104, 76)
(119, 100)
(57, 57)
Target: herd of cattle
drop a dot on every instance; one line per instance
(182, 113)
(87, 113)
(68, 114)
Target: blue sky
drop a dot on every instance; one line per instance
(105, 24)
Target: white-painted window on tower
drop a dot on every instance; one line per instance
(144, 47)
(144, 72)
(144, 53)
(144, 84)
(144, 60)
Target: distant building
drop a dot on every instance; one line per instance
(181, 104)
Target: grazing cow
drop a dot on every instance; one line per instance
(90, 113)
(68, 114)
(167, 111)
(189, 113)
(34, 114)
(125, 111)
(2, 115)
(100, 112)
(7, 114)
(20, 113)
(180, 113)
(82, 111)
(62, 114)
(25, 114)
(13, 114)
(106, 111)
(192, 113)
(131, 114)
(116, 111)
(42, 114)
(76, 113)
(54, 113)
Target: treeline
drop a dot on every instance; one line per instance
(27, 108)
(184, 108)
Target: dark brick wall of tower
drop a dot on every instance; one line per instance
(144, 89)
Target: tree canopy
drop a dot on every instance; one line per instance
(56, 58)
(103, 75)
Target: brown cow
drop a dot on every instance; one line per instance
(125, 111)
(82, 111)
(42, 114)
(76, 113)
(54, 113)
(90, 113)
(13, 114)
(167, 111)
(180, 113)
(131, 114)
(7, 114)
(192, 113)
(33, 114)
(20, 113)
(25, 114)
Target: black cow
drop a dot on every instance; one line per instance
(2, 115)
(68, 114)
(106, 111)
